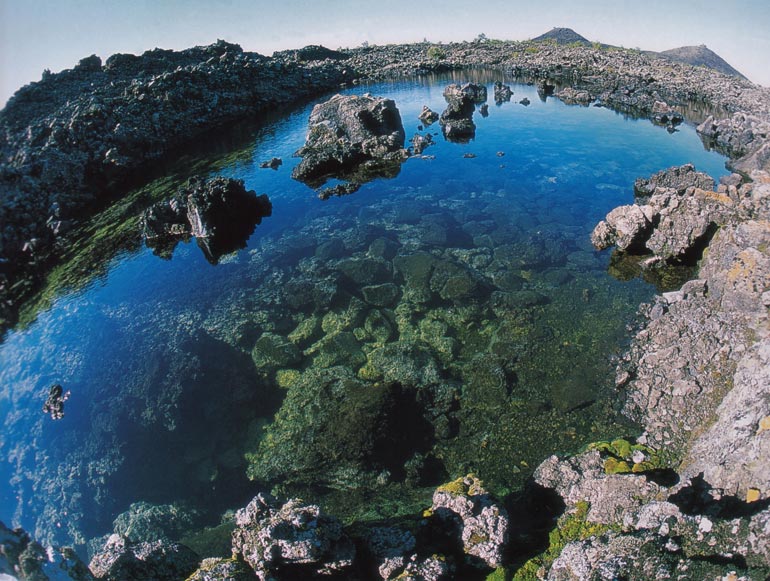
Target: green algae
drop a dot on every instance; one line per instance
(623, 456)
(571, 527)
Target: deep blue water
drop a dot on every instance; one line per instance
(165, 399)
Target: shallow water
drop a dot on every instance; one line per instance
(497, 357)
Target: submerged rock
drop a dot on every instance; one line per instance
(218, 569)
(351, 135)
(390, 549)
(145, 522)
(26, 560)
(219, 212)
(293, 539)
(120, 559)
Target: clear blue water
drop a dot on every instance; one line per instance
(167, 403)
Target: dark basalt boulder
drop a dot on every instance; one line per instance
(476, 93)
(427, 115)
(457, 120)
(219, 212)
(503, 93)
(293, 540)
(351, 137)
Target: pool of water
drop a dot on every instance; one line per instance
(359, 350)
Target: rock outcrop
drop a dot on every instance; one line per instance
(471, 91)
(743, 137)
(481, 522)
(457, 120)
(696, 378)
(293, 539)
(219, 213)
(676, 221)
(71, 139)
(353, 137)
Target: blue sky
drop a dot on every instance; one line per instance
(55, 34)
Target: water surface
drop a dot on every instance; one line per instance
(358, 351)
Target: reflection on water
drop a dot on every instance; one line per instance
(361, 349)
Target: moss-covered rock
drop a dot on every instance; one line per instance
(272, 351)
(408, 363)
(365, 271)
(381, 295)
(306, 329)
(337, 349)
(338, 431)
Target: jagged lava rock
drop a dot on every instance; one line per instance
(427, 115)
(503, 93)
(219, 212)
(476, 93)
(347, 131)
(678, 177)
(457, 119)
(680, 214)
(483, 523)
(293, 539)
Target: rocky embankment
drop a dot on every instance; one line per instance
(696, 379)
(688, 499)
(73, 140)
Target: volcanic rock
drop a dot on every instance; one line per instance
(293, 539)
(481, 522)
(219, 212)
(347, 133)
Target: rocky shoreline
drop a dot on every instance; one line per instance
(688, 499)
(75, 140)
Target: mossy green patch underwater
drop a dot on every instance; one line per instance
(360, 351)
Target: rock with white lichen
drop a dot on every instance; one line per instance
(482, 523)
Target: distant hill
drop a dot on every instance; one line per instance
(692, 55)
(563, 36)
(700, 56)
